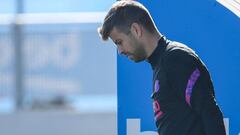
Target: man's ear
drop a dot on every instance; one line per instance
(136, 29)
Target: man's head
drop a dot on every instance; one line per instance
(128, 23)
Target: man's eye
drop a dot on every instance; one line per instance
(119, 43)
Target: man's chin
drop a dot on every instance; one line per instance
(136, 60)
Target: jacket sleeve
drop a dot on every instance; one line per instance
(191, 81)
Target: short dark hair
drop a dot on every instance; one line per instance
(122, 14)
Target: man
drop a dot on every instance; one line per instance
(183, 93)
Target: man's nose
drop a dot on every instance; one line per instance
(120, 51)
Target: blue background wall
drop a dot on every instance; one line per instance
(213, 32)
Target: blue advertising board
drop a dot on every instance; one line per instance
(212, 29)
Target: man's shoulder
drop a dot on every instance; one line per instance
(179, 51)
(177, 47)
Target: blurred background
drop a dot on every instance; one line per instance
(58, 78)
(56, 75)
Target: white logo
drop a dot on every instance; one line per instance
(133, 127)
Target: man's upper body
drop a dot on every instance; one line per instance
(183, 93)
(184, 102)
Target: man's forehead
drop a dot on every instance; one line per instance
(115, 33)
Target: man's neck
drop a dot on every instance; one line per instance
(152, 43)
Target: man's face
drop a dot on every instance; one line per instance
(128, 45)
